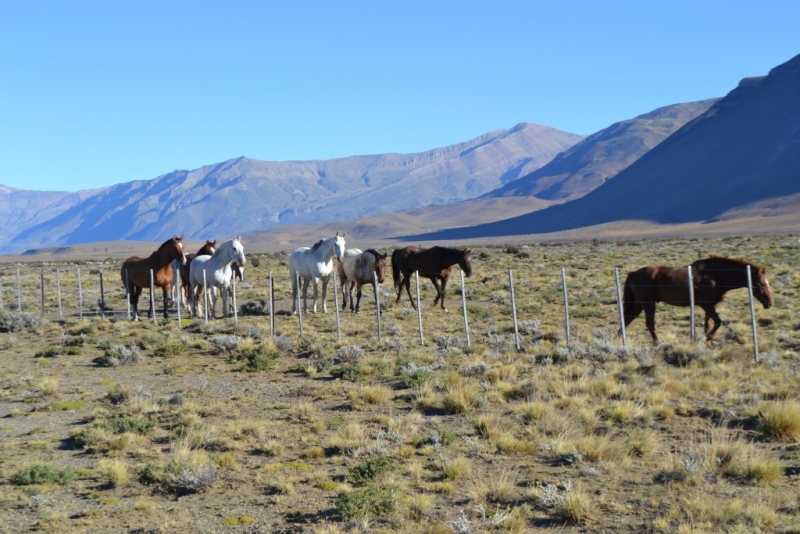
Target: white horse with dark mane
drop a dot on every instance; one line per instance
(312, 265)
(360, 268)
(218, 273)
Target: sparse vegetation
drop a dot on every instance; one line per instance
(398, 436)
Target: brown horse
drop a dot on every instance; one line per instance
(433, 263)
(160, 262)
(712, 278)
(360, 268)
(207, 249)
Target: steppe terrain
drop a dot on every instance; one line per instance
(108, 425)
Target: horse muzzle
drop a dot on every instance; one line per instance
(767, 305)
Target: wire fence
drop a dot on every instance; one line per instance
(98, 291)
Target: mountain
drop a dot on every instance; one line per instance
(741, 154)
(243, 195)
(587, 165)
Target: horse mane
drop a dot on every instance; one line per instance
(374, 253)
(216, 250)
(733, 261)
(317, 245)
(164, 244)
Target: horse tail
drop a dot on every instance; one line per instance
(628, 297)
(396, 269)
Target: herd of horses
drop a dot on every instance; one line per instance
(213, 268)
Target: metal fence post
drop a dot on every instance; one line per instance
(153, 297)
(513, 308)
(336, 306)
(128, 293)
(41, 284)
(102, 296)
(80, 296)
(621, 307)
(566, 302)
(691, 303)
(419, 311)
(58, 294)
(752, 312)
(19, 293)
(205, 298)
(271, 323)
(377, 303)
(233, 290)
(464, 307)
(299, 311)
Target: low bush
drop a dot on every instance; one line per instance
(43, 474)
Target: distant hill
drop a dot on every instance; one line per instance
(587, 165)
(741, 154)
(243, 195)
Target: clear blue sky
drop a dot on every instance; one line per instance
(97, 93)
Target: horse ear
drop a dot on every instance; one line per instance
(180, 238)
(337, 234)
(467, 250)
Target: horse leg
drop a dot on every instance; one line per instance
(212, 294)
(408, 290)
(444, 287)
(306, 281)
(316, 294)
(294, 291)
(631, 311)
(438, 292)
(650, 319)
(166, 293)
(352, 299)
(377, 299)
(224, 291)
(358, 295)
(325, 294)
(344, 295)
(711, 314)
(135, 301)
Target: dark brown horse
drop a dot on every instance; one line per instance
(160, 262)
(207, 249)
(433, 263)
(711, 278)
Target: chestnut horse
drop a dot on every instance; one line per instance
(433, 263)
(712, 278)
(160, 262)
(360, 268)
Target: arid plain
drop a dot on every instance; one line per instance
(109, 425)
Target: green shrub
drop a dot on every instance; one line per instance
(170, 348)
(259, 359)
(58, 351)
(369, 469)
(137, 425)
(364, 501)
(43, 474)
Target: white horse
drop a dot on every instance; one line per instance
(218, 273)
(360, 268)
(314, 264)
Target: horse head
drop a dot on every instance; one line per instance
(238, 251)
(465, 261)
(380, 267)
(208, 249)
(339, 246)
(761, 290)
(177, 249)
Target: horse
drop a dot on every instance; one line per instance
(433, 263)
(160, 262)
(359, 268)
(314, 264)
(711, 278)
(218, 273)
(206, 250)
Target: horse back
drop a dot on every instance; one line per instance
(660, 283)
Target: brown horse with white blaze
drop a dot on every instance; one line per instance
(160, 261)
(433, 263)
(711, 279)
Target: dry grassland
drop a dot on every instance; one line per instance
(115, 426)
